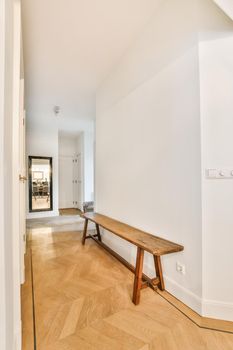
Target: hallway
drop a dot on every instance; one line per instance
(123, 108)
(82, 300)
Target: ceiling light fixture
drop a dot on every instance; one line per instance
(56, 110)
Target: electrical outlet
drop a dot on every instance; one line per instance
(180, 268)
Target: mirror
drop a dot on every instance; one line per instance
(40, 184)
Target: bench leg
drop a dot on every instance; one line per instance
(159, 272)
(84, 231)
(98, 232)
(138, 276)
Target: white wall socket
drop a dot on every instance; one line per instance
(180, 268)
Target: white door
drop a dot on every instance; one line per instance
(65, 182)
(80, 182)
(22, 178)
(75, 183)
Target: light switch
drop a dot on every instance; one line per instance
(211, 173)
(226, 173)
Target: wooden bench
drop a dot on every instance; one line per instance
(144, 241)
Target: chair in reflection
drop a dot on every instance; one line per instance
(40, 190)
(45, 191)
(35, 192)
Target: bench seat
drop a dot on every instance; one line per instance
(152, 244)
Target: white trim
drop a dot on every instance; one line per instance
(16, 246)
(186, 296)
(183, 294)
(66, 204)
(205, 308)
(219, 310)
(81, 154)
(22, 188)
(80, 206)
(2, 229)
(42, 214)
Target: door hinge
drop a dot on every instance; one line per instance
(22, 178)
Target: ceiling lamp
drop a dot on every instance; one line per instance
(56, 110)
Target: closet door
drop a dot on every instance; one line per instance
(75, 183)
(80, 181)
(65, 182)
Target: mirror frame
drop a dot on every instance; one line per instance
(50, 159)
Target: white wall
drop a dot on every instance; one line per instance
(67, 145)
(216, 72)
(148, 161)
(148, 142)
(44, 143)
(42, 138)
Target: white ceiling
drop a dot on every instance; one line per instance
(70, 46)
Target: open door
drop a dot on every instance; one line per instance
(80, 181)
(22, 182)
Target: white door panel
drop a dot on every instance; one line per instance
(66, 197)
(22, 180)
(75, 182)
(80, 181)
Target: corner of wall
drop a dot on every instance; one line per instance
(217, 309)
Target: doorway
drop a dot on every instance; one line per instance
(70, 173)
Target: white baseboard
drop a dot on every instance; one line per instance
(218, 310)
(42, 214)
(186, 296)
(206, 308)
(80, 206)
(181, 293)
(66, 205)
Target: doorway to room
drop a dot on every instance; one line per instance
(71, 174)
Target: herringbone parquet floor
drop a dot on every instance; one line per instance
(82, 300)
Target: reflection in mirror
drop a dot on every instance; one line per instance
(40, 184)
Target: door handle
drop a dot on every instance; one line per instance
(22, 178)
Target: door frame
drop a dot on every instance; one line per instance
(2, 203)
(17, 239)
